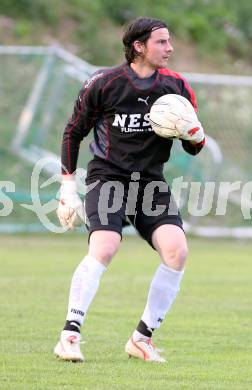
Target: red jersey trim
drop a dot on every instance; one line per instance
(171, 73)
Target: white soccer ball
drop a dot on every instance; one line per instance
(167, 111)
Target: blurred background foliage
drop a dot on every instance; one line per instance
(220, 30)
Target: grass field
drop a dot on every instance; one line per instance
(207, 336)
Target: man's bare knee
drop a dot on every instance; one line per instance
(175, 257)
(104, 252)
(103, 245)
(170, 242)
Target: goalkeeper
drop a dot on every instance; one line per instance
(115, 103)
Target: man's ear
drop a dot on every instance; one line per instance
(139, 47)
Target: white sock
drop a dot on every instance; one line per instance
(163, 290)
(85, 283)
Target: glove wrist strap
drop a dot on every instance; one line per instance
(68, 186)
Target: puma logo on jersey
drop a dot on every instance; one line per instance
(143, 100)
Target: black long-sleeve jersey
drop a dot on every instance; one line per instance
(116, 103)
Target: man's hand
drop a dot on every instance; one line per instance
(71, 212)
(190, 129)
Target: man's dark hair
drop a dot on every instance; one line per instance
(139, 29)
